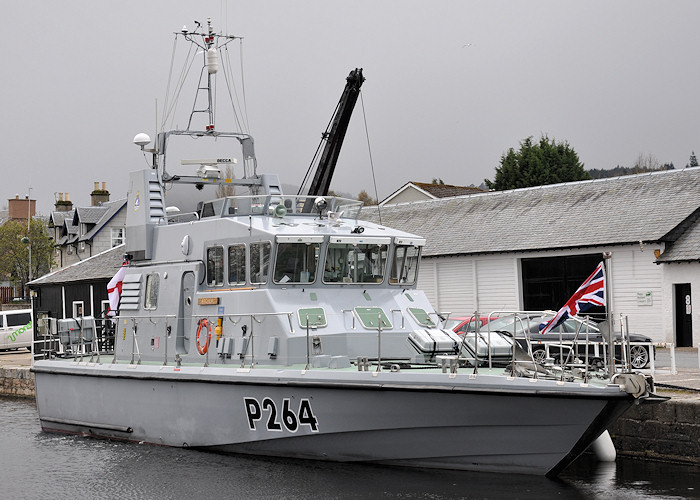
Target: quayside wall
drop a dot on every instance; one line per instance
(16, 381)
(668, 431)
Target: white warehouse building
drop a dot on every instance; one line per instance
(530, 249)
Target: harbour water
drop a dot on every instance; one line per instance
(35, 465)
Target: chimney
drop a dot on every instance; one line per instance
(99, 196)
(63, 204)
(20, 208)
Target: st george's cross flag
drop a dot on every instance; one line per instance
(591, 293)
(114, 289)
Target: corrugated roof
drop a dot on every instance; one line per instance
(618, 210)
(101, 266)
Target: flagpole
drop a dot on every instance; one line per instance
(607, 256)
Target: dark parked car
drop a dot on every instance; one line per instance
(641, 349)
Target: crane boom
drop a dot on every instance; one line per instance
(335, 134)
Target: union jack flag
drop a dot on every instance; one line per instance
(590, 293)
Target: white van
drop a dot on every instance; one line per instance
(16, 329)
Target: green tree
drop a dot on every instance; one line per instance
(14, 252)
(693, 160)
(537, 164)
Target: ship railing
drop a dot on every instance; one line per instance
(178, 218)
(578, 352)
(277, 205)
(80, 343)
(170, 319)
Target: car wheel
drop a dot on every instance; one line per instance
(539, 355)
(639, 356)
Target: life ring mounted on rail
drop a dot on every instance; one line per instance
(203, 323)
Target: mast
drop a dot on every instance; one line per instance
(211, 65)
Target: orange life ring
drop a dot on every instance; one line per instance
(203, 323)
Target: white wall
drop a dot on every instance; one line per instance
(408, 195)
(463, 284)
(675, 274)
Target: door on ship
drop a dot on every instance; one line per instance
(184, 313)
(683, 315)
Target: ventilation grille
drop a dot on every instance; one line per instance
(131, 292)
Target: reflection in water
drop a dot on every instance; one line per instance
(34, 464)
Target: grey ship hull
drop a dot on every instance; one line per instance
(482, 423)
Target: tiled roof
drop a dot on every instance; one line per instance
(686, 248)
(57, 217)
(98, 267)
(111, 209)
(447, 190)
(646, 207)
(88, 215)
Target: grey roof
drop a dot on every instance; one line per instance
(446, 190)
(88, 215)
(111, 209)
(620, 210)
(685, 249)
(98, 267)
(57, 217)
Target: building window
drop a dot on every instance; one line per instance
(117, 236)
(259, 262)
(43, 323)
(78, 308)
(215, 266)
(236, 264)
(152, 284)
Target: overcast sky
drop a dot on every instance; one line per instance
(450, 85)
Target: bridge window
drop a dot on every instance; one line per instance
(215, 266)
(404, 266)
(296, 262)
(355, 263)
(259, 262)
(236, 264)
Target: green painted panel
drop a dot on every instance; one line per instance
(317, 317)
(370, 317)
(421, 317)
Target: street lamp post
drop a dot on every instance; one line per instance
(26, 240)
(29, 220)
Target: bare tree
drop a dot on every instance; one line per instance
(224, 189)
(646, 163)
